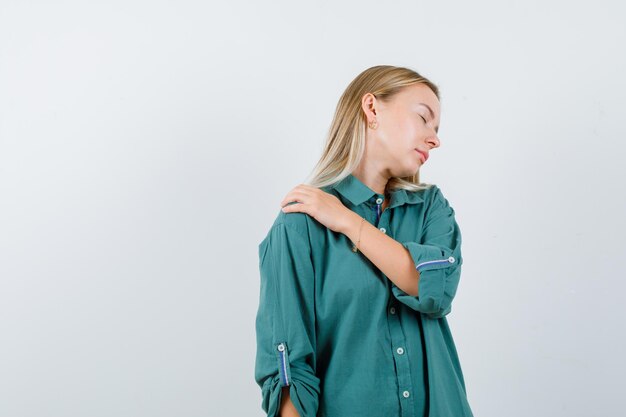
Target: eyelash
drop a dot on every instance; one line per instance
(423, 118)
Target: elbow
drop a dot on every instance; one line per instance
(437, 289)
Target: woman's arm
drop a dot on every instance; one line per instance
(425, 274)
(287, 408)
(385, 252)
(285, 321)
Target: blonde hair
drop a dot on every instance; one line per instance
(345, 142)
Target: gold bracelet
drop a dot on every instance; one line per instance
(355, 248)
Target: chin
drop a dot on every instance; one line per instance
(414, 169)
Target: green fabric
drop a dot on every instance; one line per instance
(330, 323)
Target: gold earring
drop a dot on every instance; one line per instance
(372, 124)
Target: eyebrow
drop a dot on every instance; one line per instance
(432, 114)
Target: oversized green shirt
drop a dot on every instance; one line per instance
(342, 336)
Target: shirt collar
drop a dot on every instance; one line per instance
(358, 193)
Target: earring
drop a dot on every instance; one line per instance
(372, 124)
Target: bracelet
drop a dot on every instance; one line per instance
(355, 248)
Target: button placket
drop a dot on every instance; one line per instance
(380, 214)
(403, 370)
(379, 210)
(401, 359)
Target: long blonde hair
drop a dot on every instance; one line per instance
(345, 142)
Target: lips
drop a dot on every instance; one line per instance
(424, 154)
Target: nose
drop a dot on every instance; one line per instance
(433, 141)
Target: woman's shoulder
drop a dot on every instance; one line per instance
(426, 193)
(431, 199)
(294, 226)
(297, 222)
(436, 200)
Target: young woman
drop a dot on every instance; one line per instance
(360, 267)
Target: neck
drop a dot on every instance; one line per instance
(373, 179)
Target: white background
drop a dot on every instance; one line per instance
(145, 147)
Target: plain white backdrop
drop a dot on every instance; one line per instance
(145, 147)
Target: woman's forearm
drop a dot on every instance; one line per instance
(393, 259)
(287, 408)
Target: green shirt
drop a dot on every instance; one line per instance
(343, 337)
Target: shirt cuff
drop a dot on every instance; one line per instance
(435, 265)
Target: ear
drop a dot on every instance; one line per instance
(368, 104)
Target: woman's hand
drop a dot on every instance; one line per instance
(322, 206)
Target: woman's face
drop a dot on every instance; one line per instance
(405, 127)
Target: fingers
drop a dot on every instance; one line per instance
(298, 194)
(290, 208)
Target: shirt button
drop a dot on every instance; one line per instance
(379, 200)
(382, 229)
(406, 394)
(392, 310)
(400, 351)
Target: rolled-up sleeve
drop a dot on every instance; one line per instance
(285, 322)
(437, 258)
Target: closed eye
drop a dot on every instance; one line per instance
(425, 122)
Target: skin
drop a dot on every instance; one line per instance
(287, 409)
(404, 124)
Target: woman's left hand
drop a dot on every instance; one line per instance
(322, 206)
